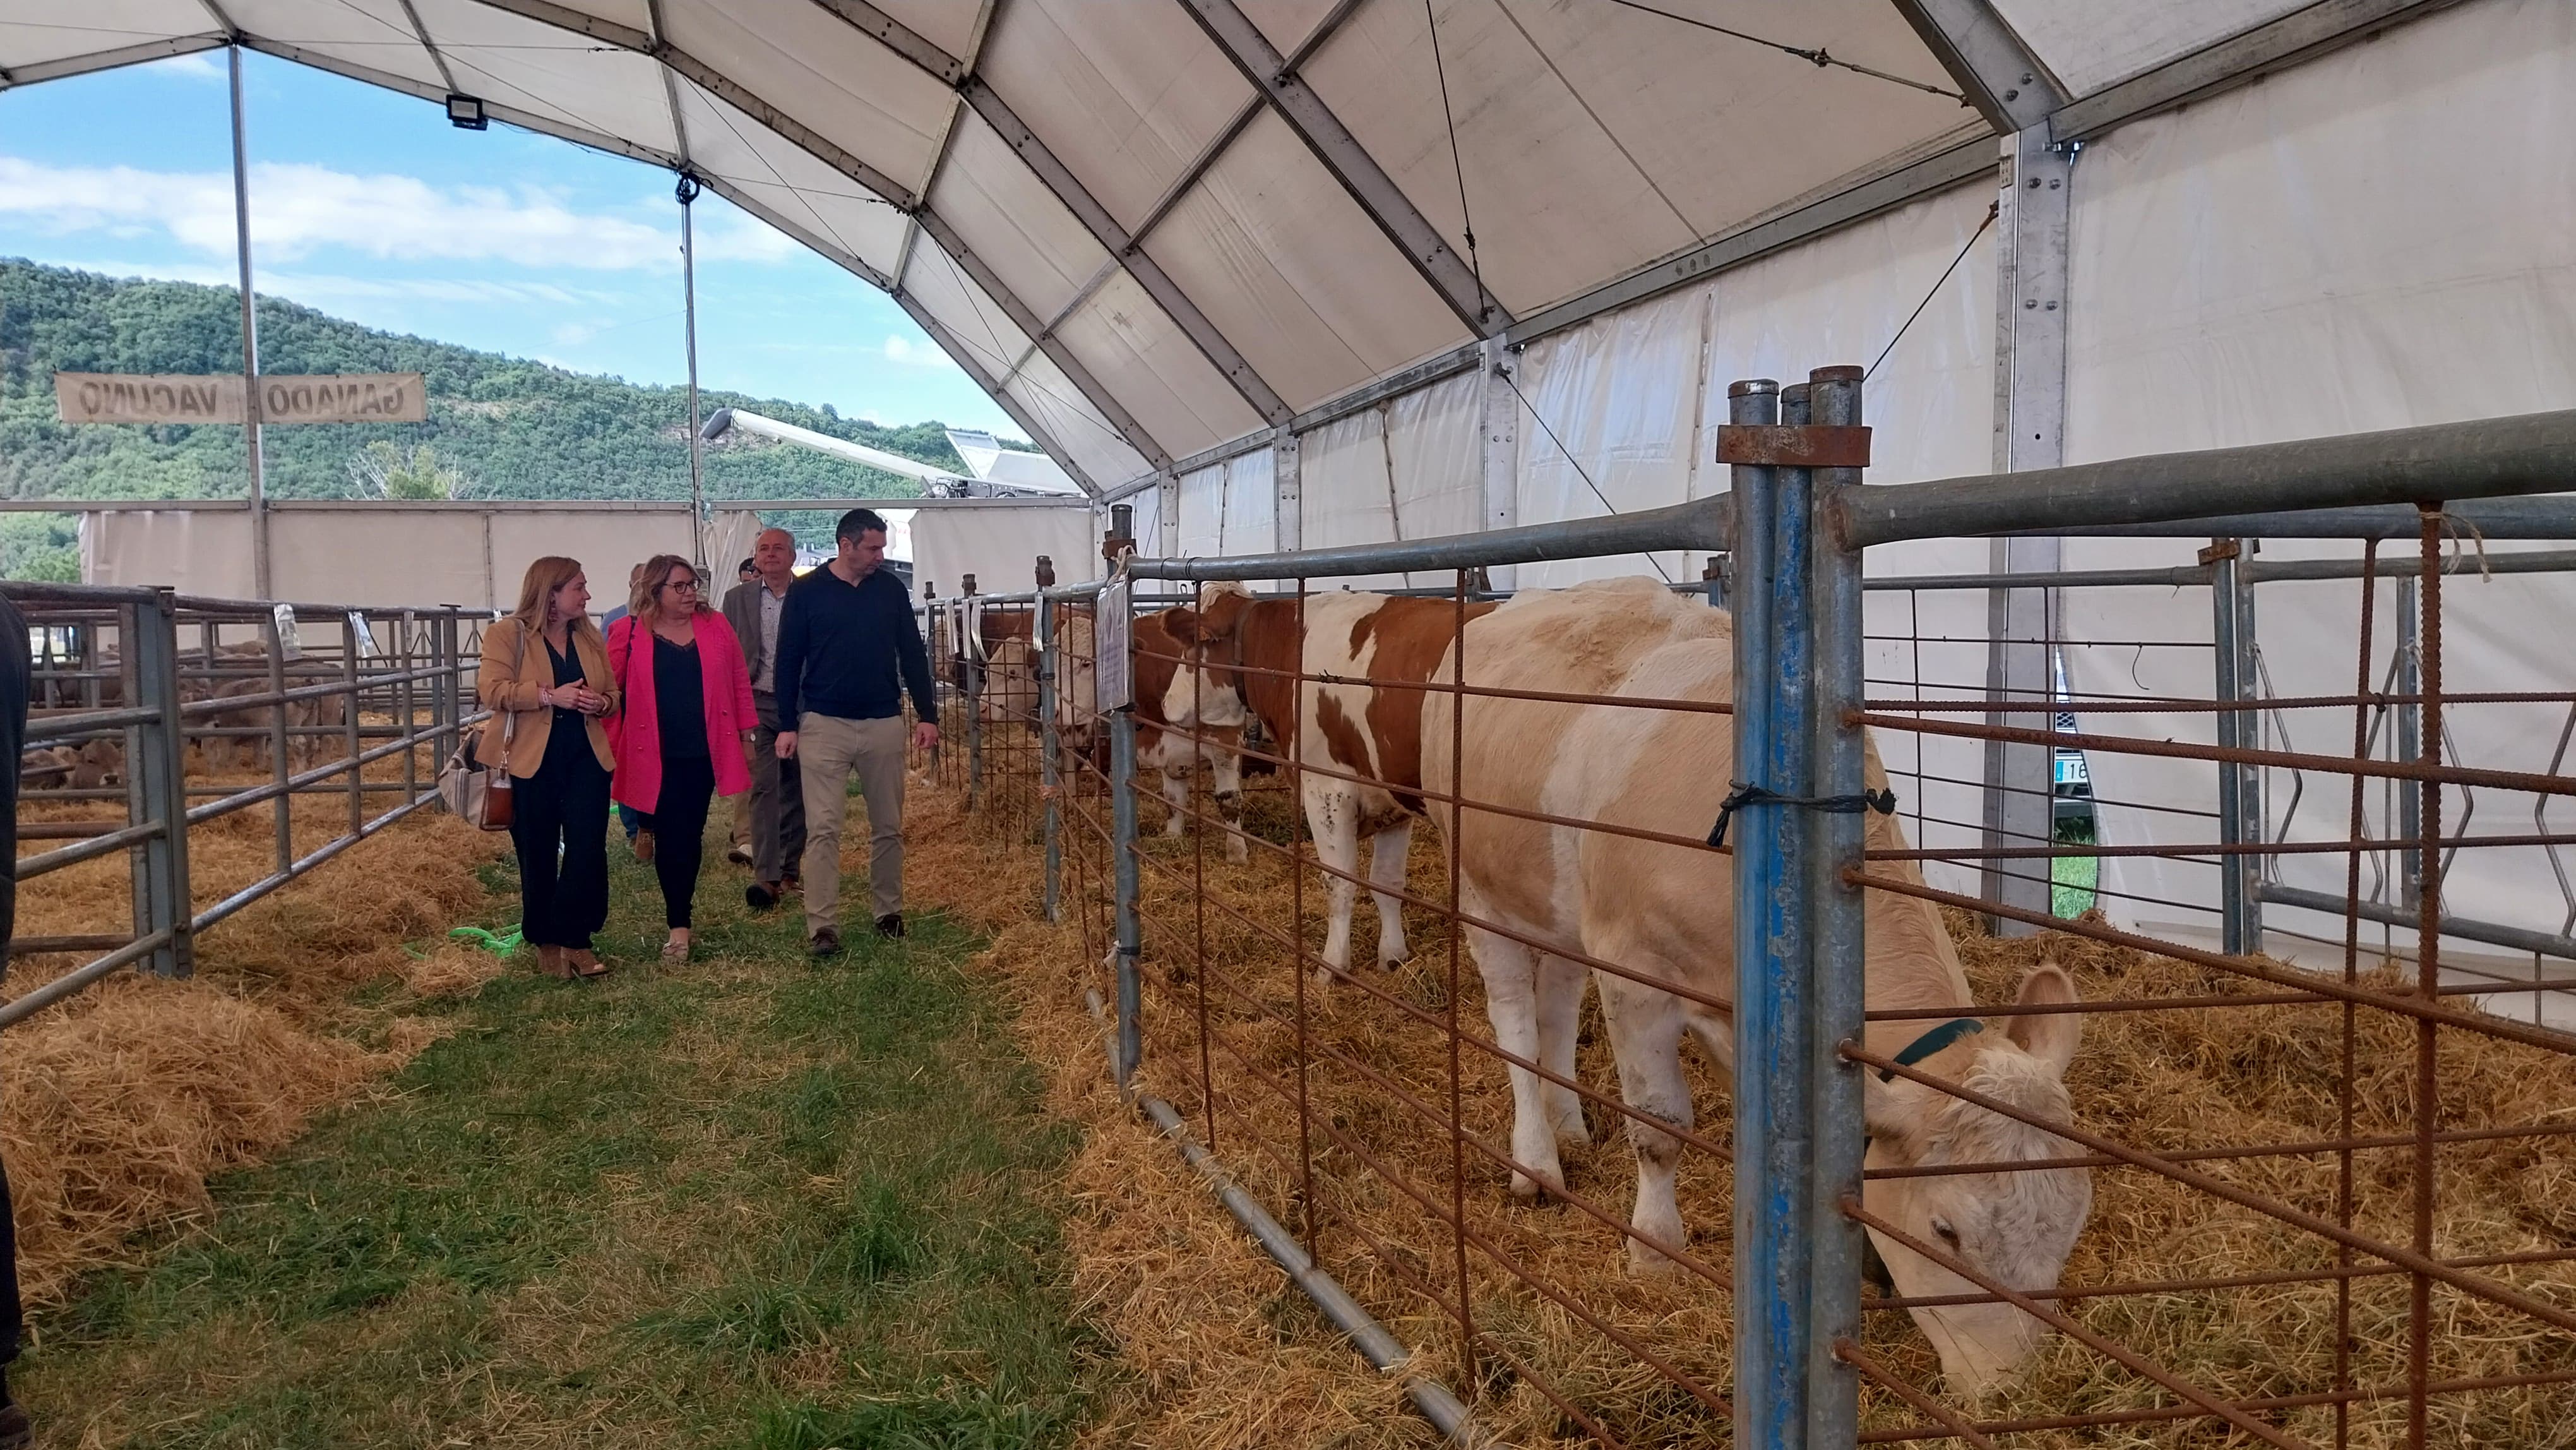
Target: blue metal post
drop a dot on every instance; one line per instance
(1835, 844)
(1773, 1016)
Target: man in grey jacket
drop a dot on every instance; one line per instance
(777, 786)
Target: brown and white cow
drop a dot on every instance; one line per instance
(1666, 913)
(1371, 653)
(1183, 717)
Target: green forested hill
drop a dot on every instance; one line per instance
(498, 426)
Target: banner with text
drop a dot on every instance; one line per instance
(217, 398)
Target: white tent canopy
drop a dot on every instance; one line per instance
(1153, 229)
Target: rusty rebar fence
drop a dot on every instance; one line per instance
(2175, 1168)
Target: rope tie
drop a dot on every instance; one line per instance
(1746, 794)
(2451, 524)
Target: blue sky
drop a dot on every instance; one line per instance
(368, 205)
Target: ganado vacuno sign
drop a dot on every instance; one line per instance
(217, 398)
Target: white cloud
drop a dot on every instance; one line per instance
(297, 210)
(196, 66)
(573, 334)
(739, 238)
(901, 349)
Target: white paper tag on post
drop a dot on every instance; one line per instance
(1113, 663)
(287, 647)
(362, 637)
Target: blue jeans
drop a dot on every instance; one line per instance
(633, 820)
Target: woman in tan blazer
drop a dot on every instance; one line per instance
(545, 677)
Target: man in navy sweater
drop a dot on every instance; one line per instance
(848, 647)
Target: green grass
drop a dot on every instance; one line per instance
(750, 1202)
(2073, 881)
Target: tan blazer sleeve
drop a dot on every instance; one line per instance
(504, 682)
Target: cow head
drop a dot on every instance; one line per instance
(1208, 686)
(2014, 1225)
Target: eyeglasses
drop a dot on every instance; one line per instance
(682, 586)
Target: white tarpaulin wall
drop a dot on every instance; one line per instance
(999, 546)
(382, 554)
(1092, 209)
(2371, 241)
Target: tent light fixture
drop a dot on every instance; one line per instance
(465, 113)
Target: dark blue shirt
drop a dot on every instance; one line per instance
(850, 650)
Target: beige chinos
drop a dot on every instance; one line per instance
(831, 750)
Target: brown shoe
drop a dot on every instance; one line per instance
(585, 962)
(644, 847)
(15, 1432)
(824, 943)
(551, 963)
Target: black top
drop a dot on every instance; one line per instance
(842, 646)
(568, 737)
(680, 699)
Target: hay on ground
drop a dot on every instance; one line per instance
(118, 1104)
(1189, 1315)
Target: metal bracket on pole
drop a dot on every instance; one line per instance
(1498, 425)
(1287, 492)
(1167, 515)
(2030, 422)
(156, 787)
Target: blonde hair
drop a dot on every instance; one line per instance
(537, 591)
(644, 602)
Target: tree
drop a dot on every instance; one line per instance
(382, 470)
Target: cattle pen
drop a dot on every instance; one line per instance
(2298, 1039)
(144, 700)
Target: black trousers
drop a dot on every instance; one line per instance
(563, 808)
(680, 831)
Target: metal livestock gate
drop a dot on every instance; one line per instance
(1352, 1120)
(127, 679)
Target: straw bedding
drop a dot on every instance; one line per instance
(118, 1104)
(1196, 1306)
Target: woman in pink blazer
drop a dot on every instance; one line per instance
(688, 707)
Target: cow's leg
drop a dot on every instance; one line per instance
(1560, 1017)
(1333, 816)
(1510, 971)
(1225, 771)
(1646, 1036)
(1389, 850)
(1176, 800)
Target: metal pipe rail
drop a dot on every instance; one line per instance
(1276, 1074)
(410, 669)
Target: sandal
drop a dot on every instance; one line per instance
(675, 952)
(551, 963)
(585, 962)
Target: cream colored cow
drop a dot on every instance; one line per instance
(1666, 913)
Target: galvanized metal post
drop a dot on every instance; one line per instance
(276, 623)
(970, 684)
(2031, 296)
(2254, 824)
(251, 443)
(1122, 845)
(1287, 490)
(1049, 780)
(156, 784)
(1498, 460)
(1835, 844)
(1774, 1030)
(2229, 687)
